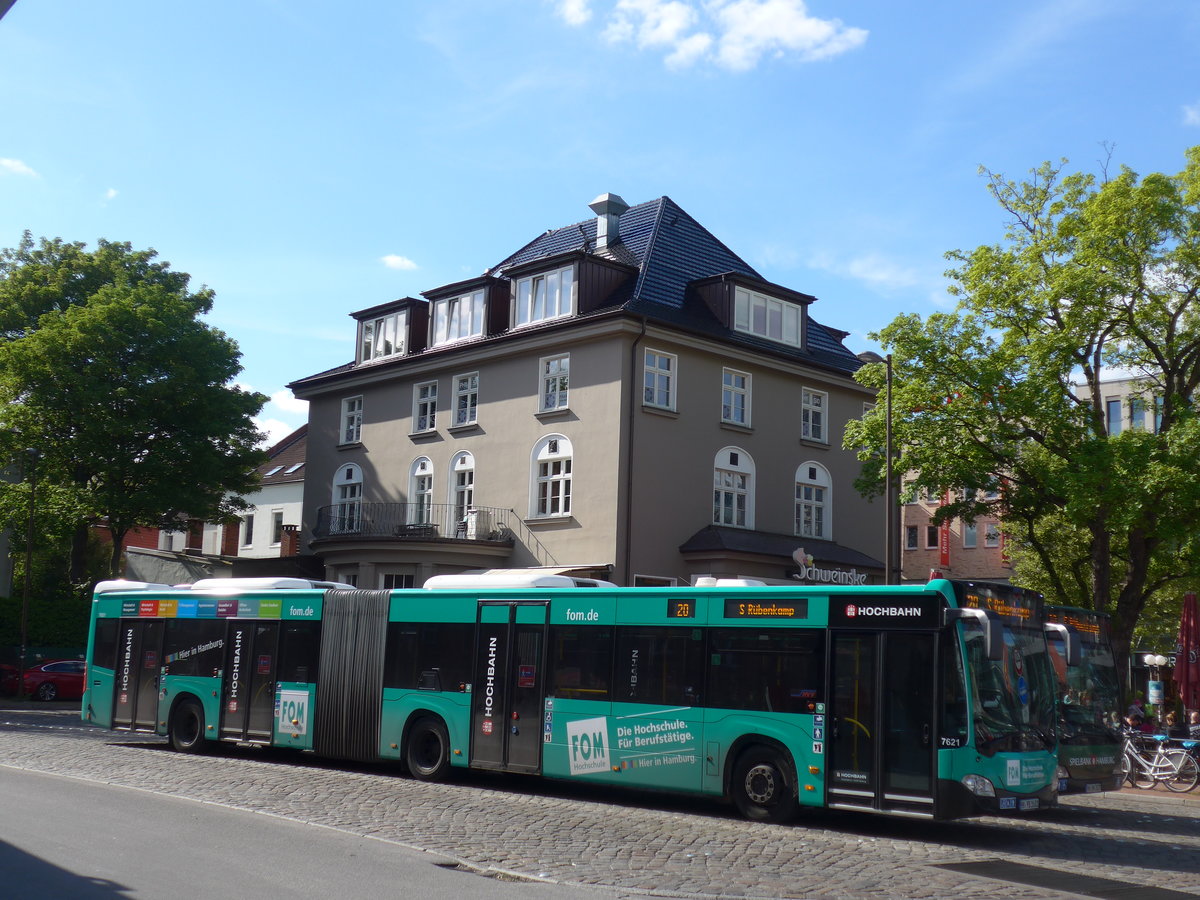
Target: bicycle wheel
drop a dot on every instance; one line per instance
(1186, 772)
(1144, 772)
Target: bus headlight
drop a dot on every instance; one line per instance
(979, 786)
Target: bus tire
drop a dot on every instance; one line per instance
(186, 729)
(764, 785)
(427, 749)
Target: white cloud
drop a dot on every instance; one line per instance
(1191, 114)
(16, 167)
(110, 194)
(573, 12)
(275, 431)
(287, 401)
(872, 269)
(393, 261)
(732, 34)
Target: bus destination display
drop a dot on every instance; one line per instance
(739, 608)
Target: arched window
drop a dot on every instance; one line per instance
(733, 488)
(462, 484)
(420, 492)
(346, 515)
(813, 507)
(550, 476)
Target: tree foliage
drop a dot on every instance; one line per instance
(1095, 275)
(108, 371)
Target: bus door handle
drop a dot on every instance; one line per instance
(925, 735)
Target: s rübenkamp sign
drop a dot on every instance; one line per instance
(810, 571)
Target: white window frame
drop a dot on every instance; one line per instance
(553, 303)
(551, 465)
(462, 485)
(457, 318)
(352, 413)
(420, 491)
(1113, 414)
(425, 402)
(659, 379)
(276, 527)
(768, 317)
(733, 478)
(346, 514)
(248, 530)
(466, 398)
(554, 382)
(813, 509)
(814, 415)
(396, 581)
(382, 337)
(911, 537)
(970, 535)
(731, 393)
(991, 535)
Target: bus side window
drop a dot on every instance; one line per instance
(299, 652)
(767, 669)
(658, 664)
(104, 650)
(580, 661)
(193, 646)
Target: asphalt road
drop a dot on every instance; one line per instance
(1143, 845)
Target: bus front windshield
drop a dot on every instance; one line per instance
(1088, 693)
(1012, 698)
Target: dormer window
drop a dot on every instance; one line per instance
(767, 317)
(457, 318)
(382, 337)
(549, 295)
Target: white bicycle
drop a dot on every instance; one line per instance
(1173, 766)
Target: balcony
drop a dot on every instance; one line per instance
(415, 522)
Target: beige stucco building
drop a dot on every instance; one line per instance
(623, 397)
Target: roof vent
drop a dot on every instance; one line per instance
(608, 209)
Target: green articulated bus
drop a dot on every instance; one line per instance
(933, 701)
(1089, 701)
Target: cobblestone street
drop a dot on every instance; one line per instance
(648, 845)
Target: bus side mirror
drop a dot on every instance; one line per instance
(1070, 638)
(993, 631)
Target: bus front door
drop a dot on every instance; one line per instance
(139, 664)
(881, 753)
(509, 687)
(248, 686)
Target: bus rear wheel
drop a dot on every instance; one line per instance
(763, 787)
(427, 750)
(186, 730)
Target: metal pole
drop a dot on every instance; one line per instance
(31, 457)
(889, 489)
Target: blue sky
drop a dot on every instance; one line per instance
(308, 159)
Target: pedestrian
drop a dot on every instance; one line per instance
(1173, 727)
(1194, 724)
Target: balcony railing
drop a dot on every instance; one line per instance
(414, 522)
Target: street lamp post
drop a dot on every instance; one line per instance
(30, 466)
(1154, 687)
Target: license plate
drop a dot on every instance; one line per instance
(1092, 789)
(1029, 804)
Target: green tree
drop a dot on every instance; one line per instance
(107, 370)
(1094, 275)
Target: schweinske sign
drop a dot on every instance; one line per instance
(809, 571)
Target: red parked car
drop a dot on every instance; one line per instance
(58, 679)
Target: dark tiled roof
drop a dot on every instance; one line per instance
(670, 249)
(740, 540)
(285, 455)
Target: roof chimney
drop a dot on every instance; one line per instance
(608, 209)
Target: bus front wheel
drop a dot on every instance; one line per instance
(427, 751)
(763, 787)
(186, 731)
